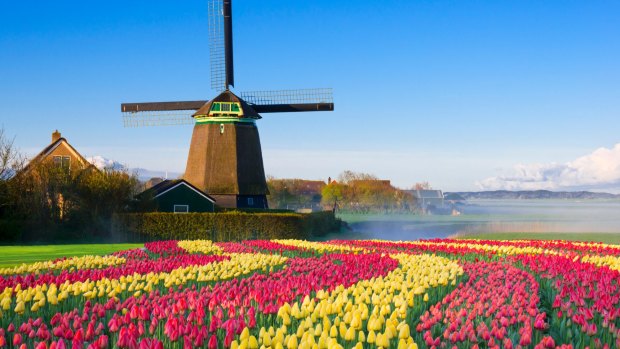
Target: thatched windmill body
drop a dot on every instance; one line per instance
(225, 158)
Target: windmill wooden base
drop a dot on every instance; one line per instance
(225, 160)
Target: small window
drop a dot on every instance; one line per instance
(235, 107)
(215, 107)
(62, 161)
(181, 208)
(250, 201)
(225, 107)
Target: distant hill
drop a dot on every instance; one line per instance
(532, 194)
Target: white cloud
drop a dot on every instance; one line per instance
(599, 170)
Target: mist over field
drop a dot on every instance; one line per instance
(494, 216)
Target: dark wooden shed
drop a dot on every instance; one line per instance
(178, 196)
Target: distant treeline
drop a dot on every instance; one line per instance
(530, 195)
(351, 192)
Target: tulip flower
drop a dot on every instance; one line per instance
(333, 294)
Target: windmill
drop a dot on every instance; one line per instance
(225, 158)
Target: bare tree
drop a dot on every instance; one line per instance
(422, 186)
(11, 162)
(10, 159)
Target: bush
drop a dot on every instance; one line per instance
(225, 226)
(10, 230)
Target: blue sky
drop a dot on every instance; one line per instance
(452, 92)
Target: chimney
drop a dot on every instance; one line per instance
(55, 136)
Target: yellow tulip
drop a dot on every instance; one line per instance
(404, 332)
(292, 342)
(333, 331)
(6, 303)
(371, 337)
(349, 334)
(252, 343)
(361, 337)
(383, 340)
(342, 329)
(20, 307)
(266, 339)
(34, 307)
(245, 334)
(286, 319)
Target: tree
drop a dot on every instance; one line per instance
(101, 193)
(42, 193)
(422, 186)
(363, 193)
(7, 154)
(294, 193)
(11, 161)
(332, 195)
(10, 158)
(279, 194)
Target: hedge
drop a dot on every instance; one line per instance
(225, 226)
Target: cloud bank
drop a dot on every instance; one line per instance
(599, 170)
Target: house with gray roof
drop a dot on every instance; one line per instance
(428, 197)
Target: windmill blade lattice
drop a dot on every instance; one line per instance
(158, 118)
(300, 96)
(217, 45)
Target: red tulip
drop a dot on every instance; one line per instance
(591, 329)
(539, 323)
(212, 342)
(17, 339)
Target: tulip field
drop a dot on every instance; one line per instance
(341, 294)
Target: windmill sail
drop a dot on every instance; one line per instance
(228, 43)
(161, 106)
(220, 44)
(280, 101)
(159, 113)
(158, 118)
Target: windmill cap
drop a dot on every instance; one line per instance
(227, 96)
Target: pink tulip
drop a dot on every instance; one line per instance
(17, 339)
(212, 342)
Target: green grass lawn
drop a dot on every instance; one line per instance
(16, 255)
(609, 238)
